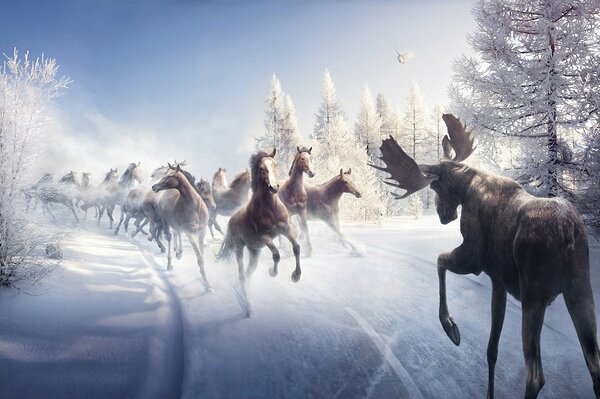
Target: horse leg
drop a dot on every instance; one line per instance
(140, 224)
(239, 256)
(498, 309)
(334, 224)
(109, 212)
(268, 241)
(198, 248)
(72, 208)
(126, 223)
(100, 210)
(304, 227)
(580, 303)
(179, 246)
(120, 222)
(252, 263)
(168, 236)
(289, 234)
(47, 207)
(218, 226)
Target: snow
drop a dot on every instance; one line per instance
(110, 321)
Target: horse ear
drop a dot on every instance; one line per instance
(170, 166)
(349, 171)
(273, 153)
(225, 170)
(298, 148)
(138, 163)
(178, 168)
(341, 172)
(309, 150)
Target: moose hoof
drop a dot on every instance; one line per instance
(451, 329)
(296, 276)
(272, 272)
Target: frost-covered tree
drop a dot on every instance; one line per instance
(437, 131)
(527, 90)
(290, 135)
(390, 122)
(335, 147)
(368, 126)
(27, 88)
(281, 126)
(415, 137)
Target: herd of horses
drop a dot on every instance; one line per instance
(532, 248)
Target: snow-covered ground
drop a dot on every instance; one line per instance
(110, 321)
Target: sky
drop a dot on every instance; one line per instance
(161, 80)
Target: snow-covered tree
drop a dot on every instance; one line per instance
(281, 126)
(527, 90)
(290, 135)
(335, 148)
(437, 129)
(368, 126)
(27, 88)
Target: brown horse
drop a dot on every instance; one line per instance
(256, 225)
(228, 199)
(293, 194)
(181, 209)
(323, 201)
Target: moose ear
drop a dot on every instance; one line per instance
(309, 150)
(341, 172)
(431, 172)
(273, 153)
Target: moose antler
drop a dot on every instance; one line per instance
(402, 168)
(460, 140)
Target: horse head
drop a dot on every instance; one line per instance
(302, 161)
(347, 183)
(205, 191)
(263, 168)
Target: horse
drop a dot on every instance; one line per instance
(292, 192)
(228, 199)
(323, 202)
(257, 223)
(31, 192)
(117, 192)
(183, 210)
(97, 196)
(48, 193)
(531, 248)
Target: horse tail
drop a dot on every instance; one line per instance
(227, 248)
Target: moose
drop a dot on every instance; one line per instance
(533, 248)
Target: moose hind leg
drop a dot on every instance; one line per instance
(533, 319)
(498, 310)
(580, 303)
(448, 323)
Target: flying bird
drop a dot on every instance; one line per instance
(403, 58)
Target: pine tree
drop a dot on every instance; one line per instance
(281, 127)
(526, 92)
(368, 126)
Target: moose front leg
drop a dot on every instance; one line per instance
(462, 260)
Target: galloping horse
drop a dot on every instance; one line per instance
(323, 201)
(97, 196)
(258, 223)
(31, 192)
(293, 194)
(228, 199)
(117, 192)
(183, 210)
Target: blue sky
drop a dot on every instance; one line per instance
(189, 78)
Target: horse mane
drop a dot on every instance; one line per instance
(303, 149)
(254, 164)
(240, 178)
(126, 177)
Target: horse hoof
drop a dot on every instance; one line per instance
(116, 232)
(162, 250)
(272, 272)
(451, 329)
(178, 255)
(169, 267)
(150, 238)
(296, 276)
